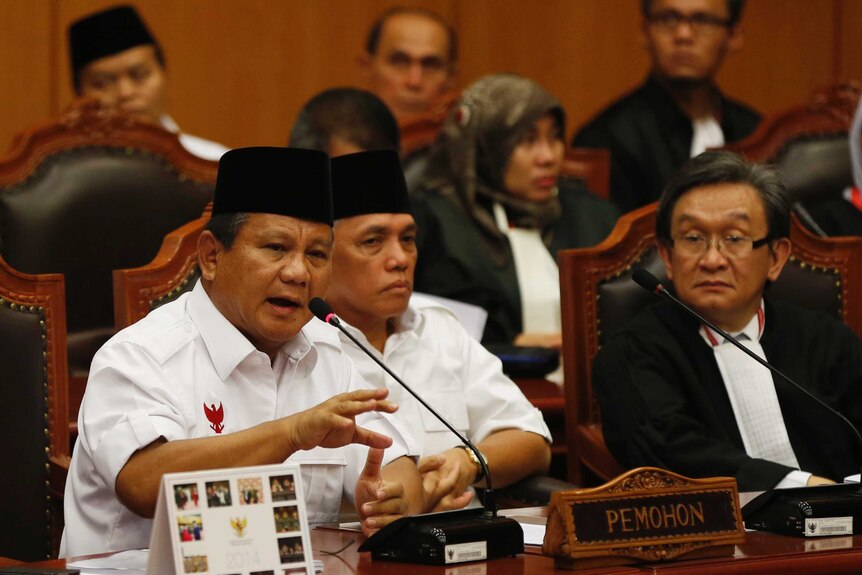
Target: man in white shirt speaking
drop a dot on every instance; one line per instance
(373, 260)
(234, 373)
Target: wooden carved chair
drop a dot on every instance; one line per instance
(174, 270)
(598, 297)
(809, 146)
(34, 412)
(592, 166)
(419, 132)
(88, 193)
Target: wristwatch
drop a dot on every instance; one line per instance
(480, 475)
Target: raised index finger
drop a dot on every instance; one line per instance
(373, 463)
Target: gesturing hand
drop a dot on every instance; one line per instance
(333, 422)
(378, 502)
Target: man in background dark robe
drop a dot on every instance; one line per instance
(678, 112)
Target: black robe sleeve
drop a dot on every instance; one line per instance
(664, 403)
(661, 407)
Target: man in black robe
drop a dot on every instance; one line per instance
(670, 394)
(678, 112)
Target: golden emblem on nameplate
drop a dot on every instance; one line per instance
(646, 514)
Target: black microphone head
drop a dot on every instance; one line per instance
(646, 280)
(320, 309)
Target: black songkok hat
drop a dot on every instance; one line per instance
(106, 33)
(283, 181)
(369, 183)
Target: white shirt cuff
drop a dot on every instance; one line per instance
(794, 479)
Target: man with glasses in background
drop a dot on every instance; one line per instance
(674, 394)
(679, 111)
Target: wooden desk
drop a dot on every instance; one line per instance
(762, 553)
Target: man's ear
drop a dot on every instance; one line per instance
(209, 252)
(453, 77)
(736, 40)
(664, 253)
(779, 253)
(364, 63)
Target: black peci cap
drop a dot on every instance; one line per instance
(369, 183)
(283, 181)
(106, 33)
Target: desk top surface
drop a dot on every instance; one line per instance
(761, 553)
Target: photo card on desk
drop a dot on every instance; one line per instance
(241, 521)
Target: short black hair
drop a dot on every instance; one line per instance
(225, 227)
(734, 9)
(355, 115)
(723, 167)
(373, 40)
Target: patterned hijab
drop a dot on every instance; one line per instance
(469, 158)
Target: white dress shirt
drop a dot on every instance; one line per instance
(200, 147)
(450, 370)
(706, 134)
(753, 398)
(538, 277)
(156, 378)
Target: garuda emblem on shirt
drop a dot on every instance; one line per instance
(215, 416)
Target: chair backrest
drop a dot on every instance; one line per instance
(592, 166)
(174, 270)
(419, 132)
(598, 297)
(34, 412)
(89, 193)
(808, 144)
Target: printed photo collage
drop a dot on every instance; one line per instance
(245, 524)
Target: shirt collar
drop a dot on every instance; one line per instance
(169, 124)
(753, 330)
(409, 321)
(227, 346)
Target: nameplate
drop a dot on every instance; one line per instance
(242, 520)
(644, 515)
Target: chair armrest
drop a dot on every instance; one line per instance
(533, 491)
(59, 469)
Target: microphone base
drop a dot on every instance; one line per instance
(446, 538)
(807, 511)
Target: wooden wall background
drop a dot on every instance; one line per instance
(239, 70)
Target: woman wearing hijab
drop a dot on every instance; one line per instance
(494, 211)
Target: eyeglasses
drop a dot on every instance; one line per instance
(699, 22)
(731, 246)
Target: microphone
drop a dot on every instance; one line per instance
(757, 513)
(506, 545)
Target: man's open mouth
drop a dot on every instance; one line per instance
(284, 303)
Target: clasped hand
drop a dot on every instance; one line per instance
(445, 479)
